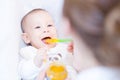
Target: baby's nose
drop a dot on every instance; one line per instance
(45, 31)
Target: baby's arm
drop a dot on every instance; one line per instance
(29, 68)
(41, 57)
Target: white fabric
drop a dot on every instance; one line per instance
(28, 70)
(9, 39)
(100, 73)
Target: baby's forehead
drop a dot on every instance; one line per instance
(36, 13)
(31, 15)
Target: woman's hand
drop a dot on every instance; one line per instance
(70, 47)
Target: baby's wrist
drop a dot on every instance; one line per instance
(37, 62)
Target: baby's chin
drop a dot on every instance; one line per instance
(51, 45)
(45, 45)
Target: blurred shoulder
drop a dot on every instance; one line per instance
(99, 73)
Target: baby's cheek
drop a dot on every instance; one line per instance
(54, 31)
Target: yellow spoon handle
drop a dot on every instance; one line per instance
(57, 40)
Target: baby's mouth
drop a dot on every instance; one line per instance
(46, 38)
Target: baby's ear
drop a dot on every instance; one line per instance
(26, 38)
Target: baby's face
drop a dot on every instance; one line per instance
(38, 27)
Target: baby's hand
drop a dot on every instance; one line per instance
(41, 56)
(42, 74)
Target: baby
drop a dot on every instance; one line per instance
(38, 26)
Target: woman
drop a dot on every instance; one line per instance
(95, 30)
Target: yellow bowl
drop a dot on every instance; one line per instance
(57, 71)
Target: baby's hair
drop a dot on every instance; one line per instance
(24, 17)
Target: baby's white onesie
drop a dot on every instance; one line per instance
(29, 71)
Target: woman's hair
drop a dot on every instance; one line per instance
(109, 54)
(89, 18)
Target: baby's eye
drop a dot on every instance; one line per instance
(49, 25)
(37, 27)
